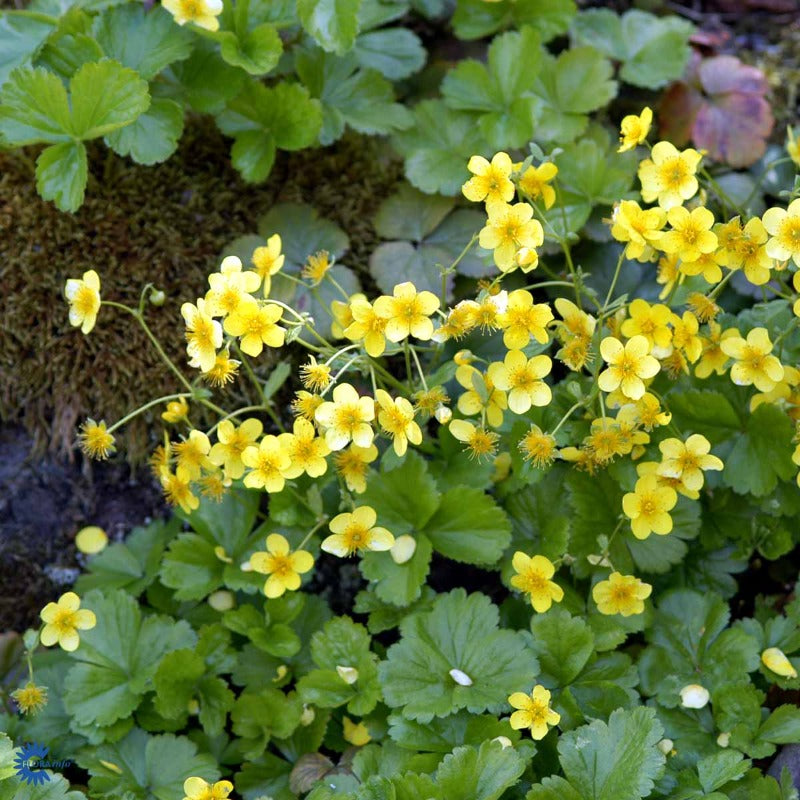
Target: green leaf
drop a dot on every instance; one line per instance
(145, 41)
(131, 565)
(411, 214)
(593, 170)
(721, 768)
(260, 716)
(563, 644)
(34, 108)
(332, 23)
(204, 81)
(66, 54)
(256, 51)
(406, 496)
(469, 527)
(7, 768)
(763, 454)
(153, 137)
(571, 86)
(459, 632)
(262, 119)
(175, 680)
(479, 774)
(396, 53)
(118, 658)
(21, 37)
(398, 584)
(437, 147)
(105, 96)
(782, 726)
(706, 412)
(360, 98)
(267, 776)
(614, 761)
(442, 735)
(652, 50)
(61, 174)
(147, 766)
(475, 19)
(500, 91)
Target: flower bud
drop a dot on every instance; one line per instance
(665, 746)
(694, 696)
(193, 707)
(461, 678)
(308, 716)
(157, 297)
(347, 674)
(775, 660)
(403, 549)
(463, 357)
(222, 600)
(724, 739)
(231, 263)
(91, 540)
(504, 741)
(443, 415)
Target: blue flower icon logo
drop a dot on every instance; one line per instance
(26, 760)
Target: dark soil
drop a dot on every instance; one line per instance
(43, 504)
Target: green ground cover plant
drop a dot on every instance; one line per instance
(603, 429)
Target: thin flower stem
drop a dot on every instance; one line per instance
(319, 524)
(337, 286)
(614, 280)
(237, 413)
(419, 368)
(567, 416)
(408, 364)
(387, 376)
(165, 399)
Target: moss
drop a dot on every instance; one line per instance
(165, 225)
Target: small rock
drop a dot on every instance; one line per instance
(788, 757)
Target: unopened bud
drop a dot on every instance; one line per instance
(157, 297)
(724, 739)
(308, 716)
(775, 660)
(230, 263)
(694, 696)
(347, 674)
(461, 678)
(665, 746)
(503, 741)
(463, 357)
(193, 707)
(443, 414)
(222, 600)
(403, 549)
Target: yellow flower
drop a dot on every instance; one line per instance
(538, 447)
(621, 594)
(91, 540)
(202, 13)
(685, 335)
(63, 620)
(706, 264)
(533, 712)
(231, 443)
(712, 358)
(95, 441)
(776, 661)
(533, 578)
(491, 181)
(30, 698)
(214, 485)
(640, 228)
(178, 491)
(648, 507)
(407, 312)
(203, 335)
(650, 321)
(607, 440)
(83, 296)
(479, 442)
(268, 461)
(522, 377)
(649, 414)
(317, 266)
(192, 456)
(305, 405)
(754, 364)
(629, 366)
(634, 129)
(283, 567)
(356, 532)
(177, 411)
(367, 325)
(352, 465)
(482, 396)
(704, 308)
(796, 285)
(343, 315)
(752, 252)
(785, 393)
(314, 376)
(576, 322)
(224, 370)
(535, 183)
(396, 418)
(306, 450)
(792, 148)
(523, 319)
(257, 326)
(355, 734)
(197, 789)
(230, 287)
(687, 460)
(460, 321)
(268, 261)
(669, 177)
(509, 228)
(428, 401)
(691, 235)
(347, 418)
(784, 227)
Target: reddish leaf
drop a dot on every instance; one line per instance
(724, 74)
(677, 112)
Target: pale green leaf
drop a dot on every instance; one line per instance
(398, 584)
(153, 137)
(256, 51)
(479, 774)
(563, 644)
(20, 39)
(332, 23)
(61, 174)
(34, 108)
(396, 53)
